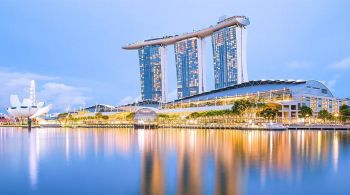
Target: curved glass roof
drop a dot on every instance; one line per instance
(298, 87)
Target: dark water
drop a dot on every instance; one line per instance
(173, 161)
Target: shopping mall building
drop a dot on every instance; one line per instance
(289, 94)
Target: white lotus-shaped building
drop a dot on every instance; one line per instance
(29, 107)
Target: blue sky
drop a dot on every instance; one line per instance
(72, 48)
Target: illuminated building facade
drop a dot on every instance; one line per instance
(152, 70)
(290, 95)
(229, 54)
(190, 55)
(189, 67)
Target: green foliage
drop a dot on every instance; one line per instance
(62, 115)
(98, 115)
(344, 112)
(269, 113)
(105, 117)
(324, 115)
(130, 116)
(216, 113)
(194, 115)
(305, 112)
(260, 105)
(211, 113)
(164, 116)
(241, 106)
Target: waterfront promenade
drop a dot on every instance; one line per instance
(213, 126)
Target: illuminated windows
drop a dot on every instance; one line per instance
(187, 67)
(225, 57)
(151, 72)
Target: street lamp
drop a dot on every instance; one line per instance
(336, 117)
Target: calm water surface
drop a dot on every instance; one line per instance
(173, 161)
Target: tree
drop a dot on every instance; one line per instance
(62, 116)
(269, 113)
(324, 115)
(260, 105)
(164, 116)
(194, 115)
(344, 112)
(130, 116)
(240, 106)
(98, 115)
(305, 112)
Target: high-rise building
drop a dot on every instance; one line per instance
(229, 52)
(189, 67)
(152, 70)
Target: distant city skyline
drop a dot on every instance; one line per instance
(72, 49)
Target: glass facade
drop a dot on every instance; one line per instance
(187, 67)
(317, 104)
(151, 72)
(224, 44)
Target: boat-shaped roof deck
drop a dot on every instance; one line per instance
(169, 40)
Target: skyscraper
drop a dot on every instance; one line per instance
(189, 67)
(152, 70)
(229, 52)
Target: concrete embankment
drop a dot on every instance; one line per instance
(196, 126)
(319, 127)
(221, 126)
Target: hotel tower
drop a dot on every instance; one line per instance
(230, 56)
(189, 67)
(152, 70)
(229, 44)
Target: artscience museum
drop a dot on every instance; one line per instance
(29, 107)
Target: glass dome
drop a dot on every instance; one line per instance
(145, 115)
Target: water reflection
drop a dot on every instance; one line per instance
(34, 153)
(231, 158)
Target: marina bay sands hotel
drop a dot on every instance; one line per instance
(229, 43)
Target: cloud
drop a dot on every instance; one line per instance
(341, 65)
(298, 65)
(49, 89)
(331, 83)
(15, 79)
(63, 96)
